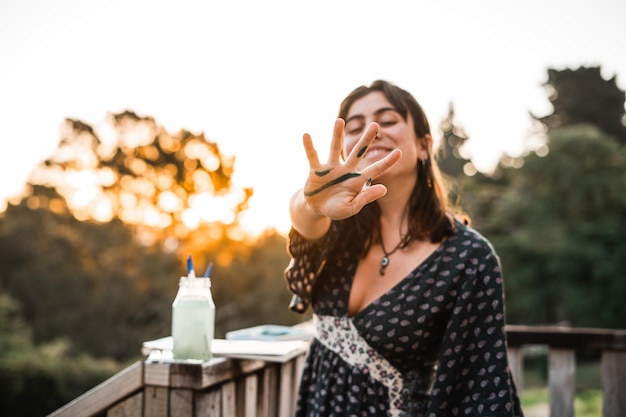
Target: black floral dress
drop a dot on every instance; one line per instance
(434, 345)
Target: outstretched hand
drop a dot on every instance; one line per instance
(340, 190)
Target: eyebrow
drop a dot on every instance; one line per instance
(376, 113)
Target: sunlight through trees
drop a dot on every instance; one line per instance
(165, 184)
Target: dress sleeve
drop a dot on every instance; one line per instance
(473, 377)
(307, 261)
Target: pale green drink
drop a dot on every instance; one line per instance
(193, 319)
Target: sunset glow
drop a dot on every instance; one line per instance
(225, 70)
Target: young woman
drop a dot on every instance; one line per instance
(407, 299)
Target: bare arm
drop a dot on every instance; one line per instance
(335, 190)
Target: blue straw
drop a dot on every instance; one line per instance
(207, 273)
(190, 270)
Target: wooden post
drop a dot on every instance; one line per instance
(269, 393)
(285, 401)
(562, 384)
(181, 402)
(299, 367)
(229, 403)
(516, 363)
(251, 396)
(156, 401)
(613, 383)
(208, 404)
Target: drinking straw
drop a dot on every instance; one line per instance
(190, 271)
(207, 273)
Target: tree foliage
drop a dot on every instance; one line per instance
(558, 227)
(36, 380)
(166, 185)
(582, 95)
(451, 160)
(85, 281)
(557, 221)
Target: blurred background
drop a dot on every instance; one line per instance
(136, 133)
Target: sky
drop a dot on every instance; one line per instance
(255, 75)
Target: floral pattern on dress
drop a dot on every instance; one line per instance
(339, 335)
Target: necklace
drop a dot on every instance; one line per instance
(384, 261)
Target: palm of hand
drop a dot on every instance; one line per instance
(336, 189)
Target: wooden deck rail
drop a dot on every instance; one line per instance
(254, 388)
(562, 343)
(219, 387)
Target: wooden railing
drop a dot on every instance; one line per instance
(219, 387)
(225, 387)
(562, 343)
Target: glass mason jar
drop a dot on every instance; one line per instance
(193, 319)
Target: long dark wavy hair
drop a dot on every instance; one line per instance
(429, 215)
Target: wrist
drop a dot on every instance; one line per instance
(312, 212)
(299, 205)
(310, 223)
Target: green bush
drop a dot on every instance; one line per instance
(36, 380)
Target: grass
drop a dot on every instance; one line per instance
(587, 403)
(532, 397)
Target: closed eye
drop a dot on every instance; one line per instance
(354, 127)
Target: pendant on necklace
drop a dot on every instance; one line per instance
(384, 261)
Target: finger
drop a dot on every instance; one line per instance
(311, 153)
(367, 196)
(360, 149)
(381, 166)
(337, 142)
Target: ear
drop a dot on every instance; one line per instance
(426, 146)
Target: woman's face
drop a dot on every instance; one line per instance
(395, 133)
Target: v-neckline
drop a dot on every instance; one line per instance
(378, 299)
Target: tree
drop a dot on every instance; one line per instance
(555, 215)
(89, 282)
(451, 160)
(165, 185)
(559, 230)
(584, 96)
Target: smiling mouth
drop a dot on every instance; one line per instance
(376, 153)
